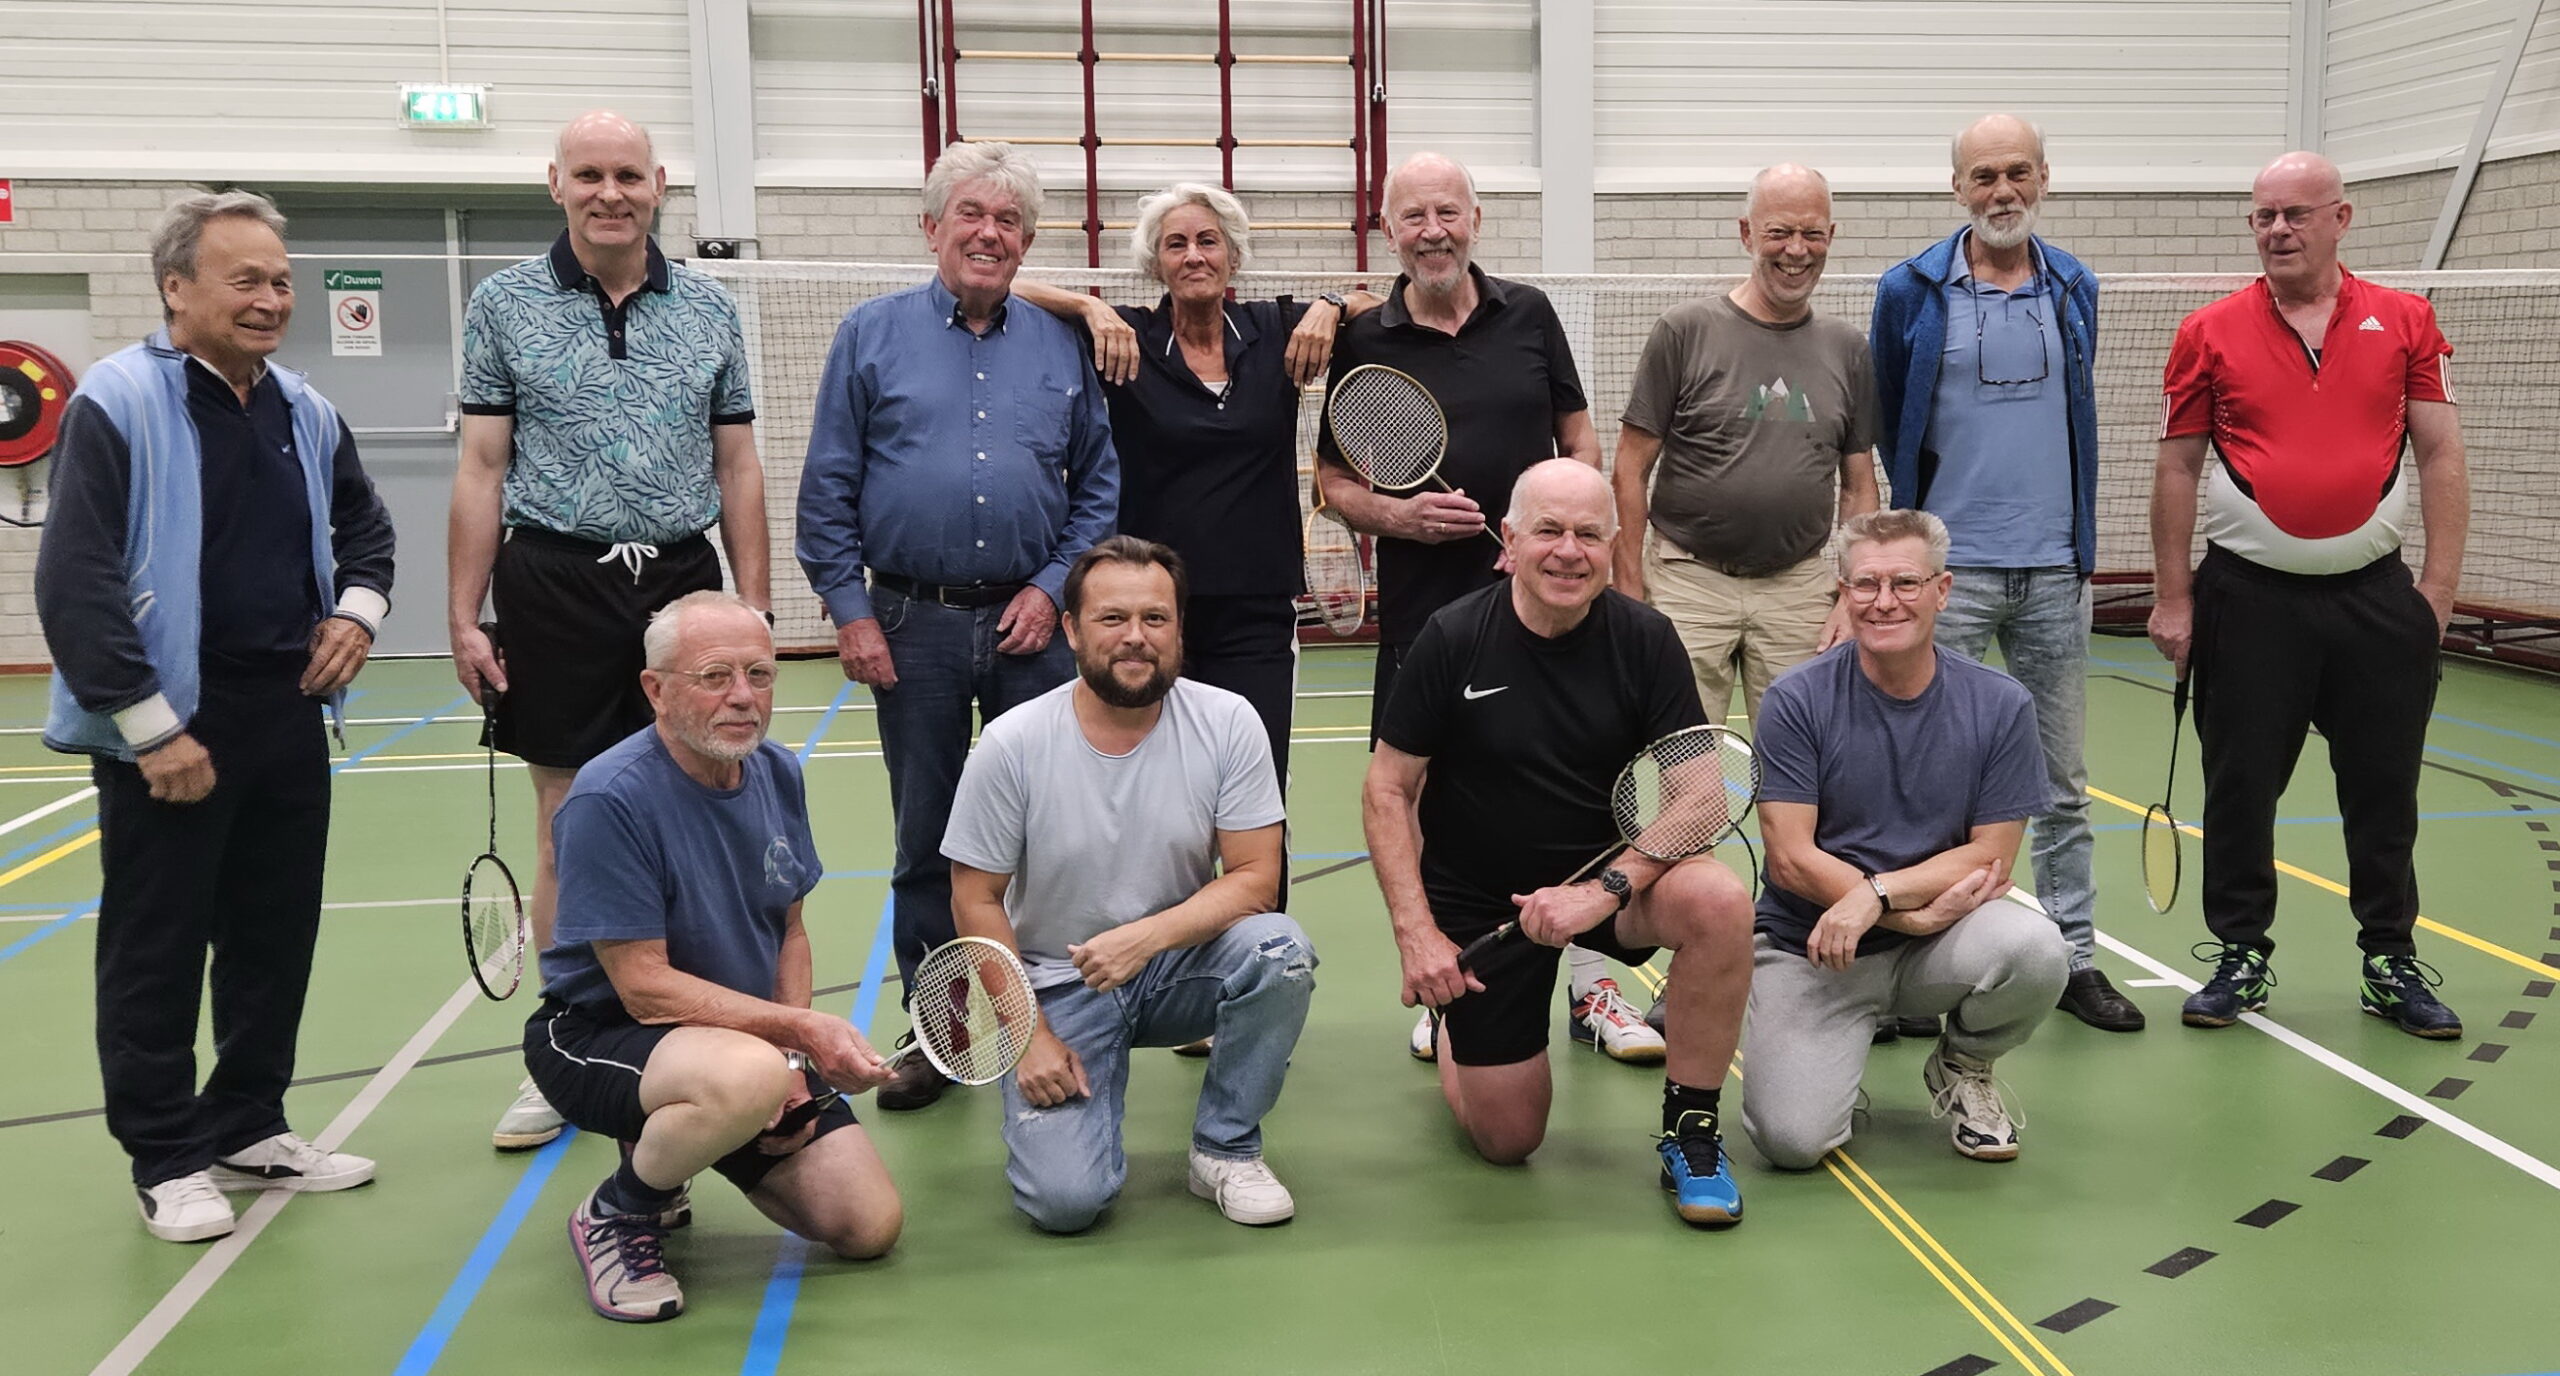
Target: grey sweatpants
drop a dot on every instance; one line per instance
(1995, 974)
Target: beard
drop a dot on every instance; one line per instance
(1098, 676)
(708, 742)
(1994, 237)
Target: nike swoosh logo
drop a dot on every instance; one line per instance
(1471, 694)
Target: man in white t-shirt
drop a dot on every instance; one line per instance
(1123, 832)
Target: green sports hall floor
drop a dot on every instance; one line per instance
(2319, 1193)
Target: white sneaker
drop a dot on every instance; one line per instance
(187, 1209)
(528, 1122)
(1962, 1086)
(286, 1162)
(1606, 1022)
(1245, 1191)
(1425, 1041)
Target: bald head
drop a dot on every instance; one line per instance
(1791, 185)
(2001, 133)
(603, 129)
(2300, 178)
(1560, 487)
(1433, 171)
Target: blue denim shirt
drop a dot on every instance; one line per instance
(944, 456)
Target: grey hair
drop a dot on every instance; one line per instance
(1955, 146)
(175, 244)
(666, 624)
(1001, 163)
(1891, 524)
(1767, 175)
(1217, 200)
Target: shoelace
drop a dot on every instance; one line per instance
(2233, 963)
(1701, 1150)
(1976, 1094)
(194, 1189)
(1612, 1005)
(636, 1242)
(630, 554)
(2409, 972)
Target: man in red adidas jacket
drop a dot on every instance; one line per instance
(2308, 384)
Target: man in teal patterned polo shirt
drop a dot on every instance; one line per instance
(607, 424)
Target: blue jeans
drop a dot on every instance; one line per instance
(1249, 986)
(2041, 617)
(946, 660)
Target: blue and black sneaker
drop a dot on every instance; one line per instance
(1698, 1173)
(2239, 985)
(2401, 988)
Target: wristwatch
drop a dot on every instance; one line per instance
(1882, 898)
(1334, 299)
(797, 1060)
(1618, 885)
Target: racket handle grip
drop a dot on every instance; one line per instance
(1481, 946)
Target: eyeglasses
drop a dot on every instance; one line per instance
(1904, 586)
(720, 677)
(2265, 217)
(1982, 368)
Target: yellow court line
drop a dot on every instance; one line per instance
(80, 842)
(1653, 983)
(1941, 1250)
(2480, 944)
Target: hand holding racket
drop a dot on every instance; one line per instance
(1680, 796)
(2163, 846)
(493, 920)
(973, 1016)
(1392, 432)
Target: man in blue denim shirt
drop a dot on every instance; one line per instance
(961, 457)
(1983, 346)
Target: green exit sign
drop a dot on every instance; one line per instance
(442, 106)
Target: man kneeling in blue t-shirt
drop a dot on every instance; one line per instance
(1895, 784)
(675, 1012)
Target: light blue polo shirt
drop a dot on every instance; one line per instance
(613, 404)
(1999, 424)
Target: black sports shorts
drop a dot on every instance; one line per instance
(587, 1062)
(570, 614)
(1507, 1023)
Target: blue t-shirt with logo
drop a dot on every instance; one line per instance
(648, 854)
(1894, 781)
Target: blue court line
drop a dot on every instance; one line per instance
(782, 1288)
(2161, 675)
(46, 841)
(2501, 731)
(90, 904)
(2485, 815)
(429, 1345)
(825, 720)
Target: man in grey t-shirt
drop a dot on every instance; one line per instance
(1752, 405)
(1895, 783)
(1123, 832)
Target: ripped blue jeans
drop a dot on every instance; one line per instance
(1249, 987)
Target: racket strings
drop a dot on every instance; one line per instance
(1388, 428)
(973, 1012)
(493, 925)
(1685, 793)
(1335, 578)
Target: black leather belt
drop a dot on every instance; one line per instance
(957, 595)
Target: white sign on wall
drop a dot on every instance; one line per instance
(355, 312)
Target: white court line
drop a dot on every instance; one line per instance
(2496, 1146)
(2152, 984)
(200, 1278)
(50, 808)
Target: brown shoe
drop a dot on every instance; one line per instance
(918, 1085)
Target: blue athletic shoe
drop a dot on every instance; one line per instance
(1699, 1174)
(2239, 985)
(2401, 988)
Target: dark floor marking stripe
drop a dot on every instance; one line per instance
(2516, 1021)
(2537, 989)
(2487, 1051)
(2180, 1262)
(2076, 1315)
(1335, 868)
(2537, 826)
(2267, 1215)
(1966, 1365)
(481, 1054)
(2341, 1168)
(2401, 1126)
(2448, 1088)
